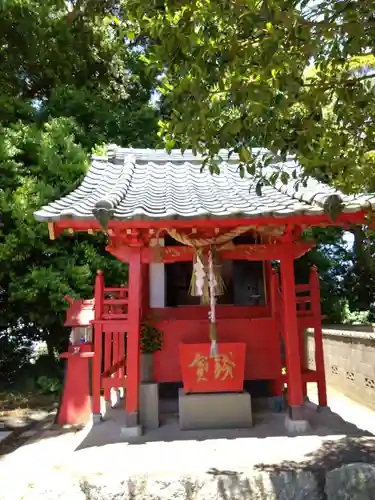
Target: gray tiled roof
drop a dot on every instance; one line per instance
(142, 183)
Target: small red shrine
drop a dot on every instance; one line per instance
(195, 244)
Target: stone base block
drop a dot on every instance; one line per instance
(323, 409)
(149, 405)
(131, 432)
(215, 410)
(296, 426)
(4, 435)
(96, 418)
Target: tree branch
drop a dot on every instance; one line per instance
(329, 24)
(348, 83)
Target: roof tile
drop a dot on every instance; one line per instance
(139, 183)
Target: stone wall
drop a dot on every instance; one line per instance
(349, 356)
(355, 481)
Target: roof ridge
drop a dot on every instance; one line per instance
(119, 187)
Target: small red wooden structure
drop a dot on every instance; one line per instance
(75, 407)
(140, 197)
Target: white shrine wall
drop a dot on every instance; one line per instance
(157, 281)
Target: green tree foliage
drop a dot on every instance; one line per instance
(74, 66)
(239, 73)
(332, 258)
(295, 77)
(360, 281)
(36, 273)
(68, 82)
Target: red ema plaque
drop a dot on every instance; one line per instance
(221, 373)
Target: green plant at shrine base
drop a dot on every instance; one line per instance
(151, 339)
(48, 385)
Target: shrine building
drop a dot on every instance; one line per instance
(214, 263)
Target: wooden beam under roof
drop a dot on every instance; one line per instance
(257, 252)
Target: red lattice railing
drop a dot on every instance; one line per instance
(115, 303)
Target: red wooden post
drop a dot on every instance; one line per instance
(277, 385)
(145, 289)
(107, 360)
(318, 336)
(292, 349)
(302, 353)
(267, 269)
(134, 324)
(115, 351)
(97, 360)
(274, 282)
(121, 352)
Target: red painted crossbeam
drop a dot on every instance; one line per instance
(114, 368)
(113, 382)
(241, 252)
(300, 219)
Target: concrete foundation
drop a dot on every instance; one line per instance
(296, 426)
(215, 410)
(96, 418)
(131, 432)
(149, 405)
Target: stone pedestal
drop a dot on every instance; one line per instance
(147, 367)
(149, 405)
(229, 410)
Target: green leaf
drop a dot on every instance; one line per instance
(284, 177)
(235, 127)
(251, 168)
(169, 145)
(245, 155)
(258, 188)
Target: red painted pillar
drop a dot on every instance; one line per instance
(121, 352)
(318, 336)
(145, 289)
(115, 350)
(98, 331)
(107, 361)
(268, 270)
(301, 336)
(75, 408)
(134, 323)
(274, 302)
(292, 347)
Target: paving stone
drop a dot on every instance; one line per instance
(351, 482)
(4, 435)
(27, 434)
(249, 485)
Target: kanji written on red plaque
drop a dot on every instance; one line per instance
(223, 366)
(221, 373)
